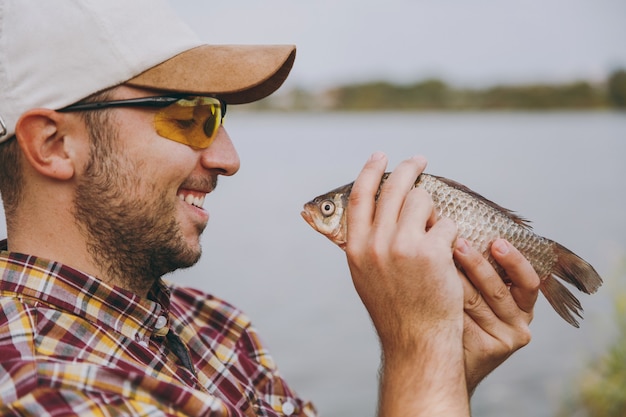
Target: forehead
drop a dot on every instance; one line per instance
(124, 91)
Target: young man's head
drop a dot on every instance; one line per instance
(110, 128)
(53, 54)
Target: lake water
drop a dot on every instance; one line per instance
(564, 171)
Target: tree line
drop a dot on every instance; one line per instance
(435, 94)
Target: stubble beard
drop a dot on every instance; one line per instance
(134, 240)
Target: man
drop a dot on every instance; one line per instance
(111, 136)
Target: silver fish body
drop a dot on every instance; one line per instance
(480, 221)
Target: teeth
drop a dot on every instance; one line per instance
(193, 200)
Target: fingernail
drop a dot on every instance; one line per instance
(462, 246)
(501, 246)
(377, 156)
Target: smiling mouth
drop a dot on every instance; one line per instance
(194, 198)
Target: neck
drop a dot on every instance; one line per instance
(62, 241)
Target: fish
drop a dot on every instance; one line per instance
(480, 221)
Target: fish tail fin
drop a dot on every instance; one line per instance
(576, 271)
(573, 269)
(561, 300)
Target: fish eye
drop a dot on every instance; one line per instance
(327, 208)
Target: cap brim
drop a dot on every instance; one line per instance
(236, 73)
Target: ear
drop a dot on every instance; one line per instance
(40, 135)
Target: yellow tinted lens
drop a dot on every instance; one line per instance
(193, 122)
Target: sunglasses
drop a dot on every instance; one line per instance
(190, 120)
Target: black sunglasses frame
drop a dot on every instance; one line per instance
(150, 102)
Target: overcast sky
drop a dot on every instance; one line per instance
(470, 42)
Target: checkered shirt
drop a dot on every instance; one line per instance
(72, 345)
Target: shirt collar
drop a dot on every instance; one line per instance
(68, 289)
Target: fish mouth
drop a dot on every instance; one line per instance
(307, 218)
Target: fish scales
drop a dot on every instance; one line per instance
(480, 221)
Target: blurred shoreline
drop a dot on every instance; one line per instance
(436, 95)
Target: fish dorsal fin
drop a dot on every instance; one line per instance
(509, 213)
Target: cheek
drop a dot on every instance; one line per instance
(157, 157)
(165, 158)
(140, 138)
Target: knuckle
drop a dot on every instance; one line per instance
(501, 292)
(474, 301)
(535, 282)
(351, 251)
(520, 337)
(523, 338)
(376, 252)
(450, 226)
(401, 250)
(475, 261)
(357, 197)
(527, 337)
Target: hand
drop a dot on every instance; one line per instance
(497, 316)
(402, 267)
(404, 274)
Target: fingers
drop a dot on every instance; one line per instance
(497, 319)
(488, 293)
(362, 208)
(399, 266)
(395, 191)
(481, 284)
(525, 287)
(417, 213)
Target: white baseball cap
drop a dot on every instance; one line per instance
(54, 53)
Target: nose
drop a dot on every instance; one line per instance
(221, 156)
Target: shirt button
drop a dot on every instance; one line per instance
(160, 323)
(288, 408)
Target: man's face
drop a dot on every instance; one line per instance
(139, 198)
